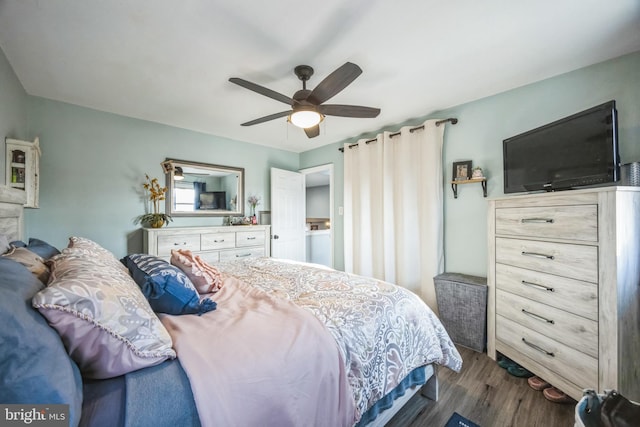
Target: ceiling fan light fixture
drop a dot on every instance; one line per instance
(305, 118)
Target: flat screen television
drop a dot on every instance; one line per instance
(213, 200)
(579, 150)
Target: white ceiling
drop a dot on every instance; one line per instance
(169, 61)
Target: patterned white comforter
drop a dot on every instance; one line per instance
(383, 331)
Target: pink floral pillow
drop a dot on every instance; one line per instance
(204, 277)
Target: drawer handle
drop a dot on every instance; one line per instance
(218, 241)
(180, 244)
(251, 238)
(537, 316)
(242, 255)
(537, 255)
(536, 347)
(537, 220)
(536, 285)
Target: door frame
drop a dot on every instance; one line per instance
(316, 169)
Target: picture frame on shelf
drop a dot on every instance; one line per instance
(462, 170)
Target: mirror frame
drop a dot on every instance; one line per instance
(169, 167)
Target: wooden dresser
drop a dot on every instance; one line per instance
(564, 287)
(213, 244)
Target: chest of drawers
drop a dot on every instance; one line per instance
(213, 243)
(564, 287)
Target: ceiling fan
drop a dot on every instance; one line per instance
(307, 106)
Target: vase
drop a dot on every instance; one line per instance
(158, 223)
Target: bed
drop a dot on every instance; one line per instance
(278, 343)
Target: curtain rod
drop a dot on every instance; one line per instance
(452, 120)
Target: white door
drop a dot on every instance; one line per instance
(287, 215)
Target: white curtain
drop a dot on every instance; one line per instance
(393, 221)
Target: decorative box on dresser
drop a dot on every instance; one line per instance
(213, 243)
(564, 287)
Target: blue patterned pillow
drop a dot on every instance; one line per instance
(166, 287)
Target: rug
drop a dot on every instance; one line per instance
(458, 420)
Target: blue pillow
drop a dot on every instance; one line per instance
(18, 244)
(37, 246)
(34, 365)
(42, 248)
(165, 286)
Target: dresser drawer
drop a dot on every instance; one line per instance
(573, 365)
(210, 257)
(242, 253)
(575, 331)
(185, 241)
(574, 296)
(574, 261)
(558, 222)
(212, 241)
(249, 238)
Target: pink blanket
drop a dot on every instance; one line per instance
(261, 360)
(383, 331)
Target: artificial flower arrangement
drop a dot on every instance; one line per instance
(253, 202)
(156, 194)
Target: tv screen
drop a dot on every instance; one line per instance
(576, 151)
(213, 200)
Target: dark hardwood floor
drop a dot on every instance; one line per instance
(487, 395)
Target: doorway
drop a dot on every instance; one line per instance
(319, 214)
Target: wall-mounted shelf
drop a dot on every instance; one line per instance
(483, 181)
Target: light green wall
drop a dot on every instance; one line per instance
(482, 126)
(93, 166)
(13, 108)
(93, 163)
(485, 123)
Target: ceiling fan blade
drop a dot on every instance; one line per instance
(267, 118)
(312, 132)
(349, 111)
(261, 90)
(334, 83)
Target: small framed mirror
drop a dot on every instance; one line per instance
(202, 189)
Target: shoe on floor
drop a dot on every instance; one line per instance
(538, 383)
(557, 396)
(519, 371)
(506, 363)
